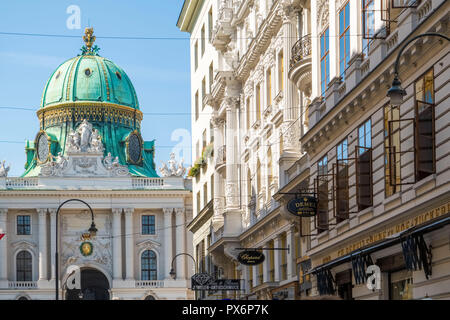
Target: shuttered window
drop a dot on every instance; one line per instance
(342, 207)
(425, 157)
(322, 194)
(364, 166)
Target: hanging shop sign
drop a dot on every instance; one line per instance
(204, 282)
(305, 206)
(251, 257)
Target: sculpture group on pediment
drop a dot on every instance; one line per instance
(84, 139)
(173, 169)
(4, 169)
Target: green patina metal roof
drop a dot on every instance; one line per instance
(81, 83)
(89, 77)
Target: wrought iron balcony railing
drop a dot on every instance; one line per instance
(301, 50)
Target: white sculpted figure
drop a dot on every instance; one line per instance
(174, 169)
(108, 161)
(164, 170)
(4, 169)
(84, 139)
(116, 162)
(96, 142)
(85, 131)
(73, 142)
(181, 169)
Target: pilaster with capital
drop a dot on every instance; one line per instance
(277, 258)
(231, 187)
(52, 212)
(3, 248)
(218, 125)
(42, 257)
(290, 241)
(129, 245)
(168, 249)
(180, 242)
(290, 113)
(117, 243)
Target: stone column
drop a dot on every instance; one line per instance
(52, 212)
(232, 217)
(266, 264)
(217, 219)
(255, 275)
(42, 222)
(231, 192)
(277, 258)
(3, 249)
(117, 243)
(290, 239)
(290, 112)
(168, 241)
(129, 245)
(180, 243)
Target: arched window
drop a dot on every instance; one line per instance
(149, 298)
(148, 265)
(24, 266)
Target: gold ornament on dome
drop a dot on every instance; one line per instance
(89, 38)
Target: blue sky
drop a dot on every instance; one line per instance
(159, 69)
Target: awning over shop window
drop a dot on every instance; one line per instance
(415, 250)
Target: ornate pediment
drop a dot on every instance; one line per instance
(148, 244)
(23, 244)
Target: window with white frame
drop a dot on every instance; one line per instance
(148, 224)
(148, 265)
(24, 225)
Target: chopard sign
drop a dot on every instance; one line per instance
(251, 257)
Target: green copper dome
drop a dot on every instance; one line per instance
(89, 78)
(93, 89)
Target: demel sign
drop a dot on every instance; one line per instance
(305, 206)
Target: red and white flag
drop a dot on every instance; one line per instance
(1, 235)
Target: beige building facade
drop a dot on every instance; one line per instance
(300, 96)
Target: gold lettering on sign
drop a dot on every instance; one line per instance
(402, 226)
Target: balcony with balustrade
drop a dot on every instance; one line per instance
(222, 31)
(22, 285)
(93, 183)
(300, 65)
(221, 158)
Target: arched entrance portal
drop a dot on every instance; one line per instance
(94, 286)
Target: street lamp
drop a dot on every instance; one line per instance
(172, 272)
(396, 92)
(92, 230)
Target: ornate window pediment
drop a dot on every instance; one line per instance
(148, 244)
(23, 244)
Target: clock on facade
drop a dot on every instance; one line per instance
(134, 148)
(43, 148)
